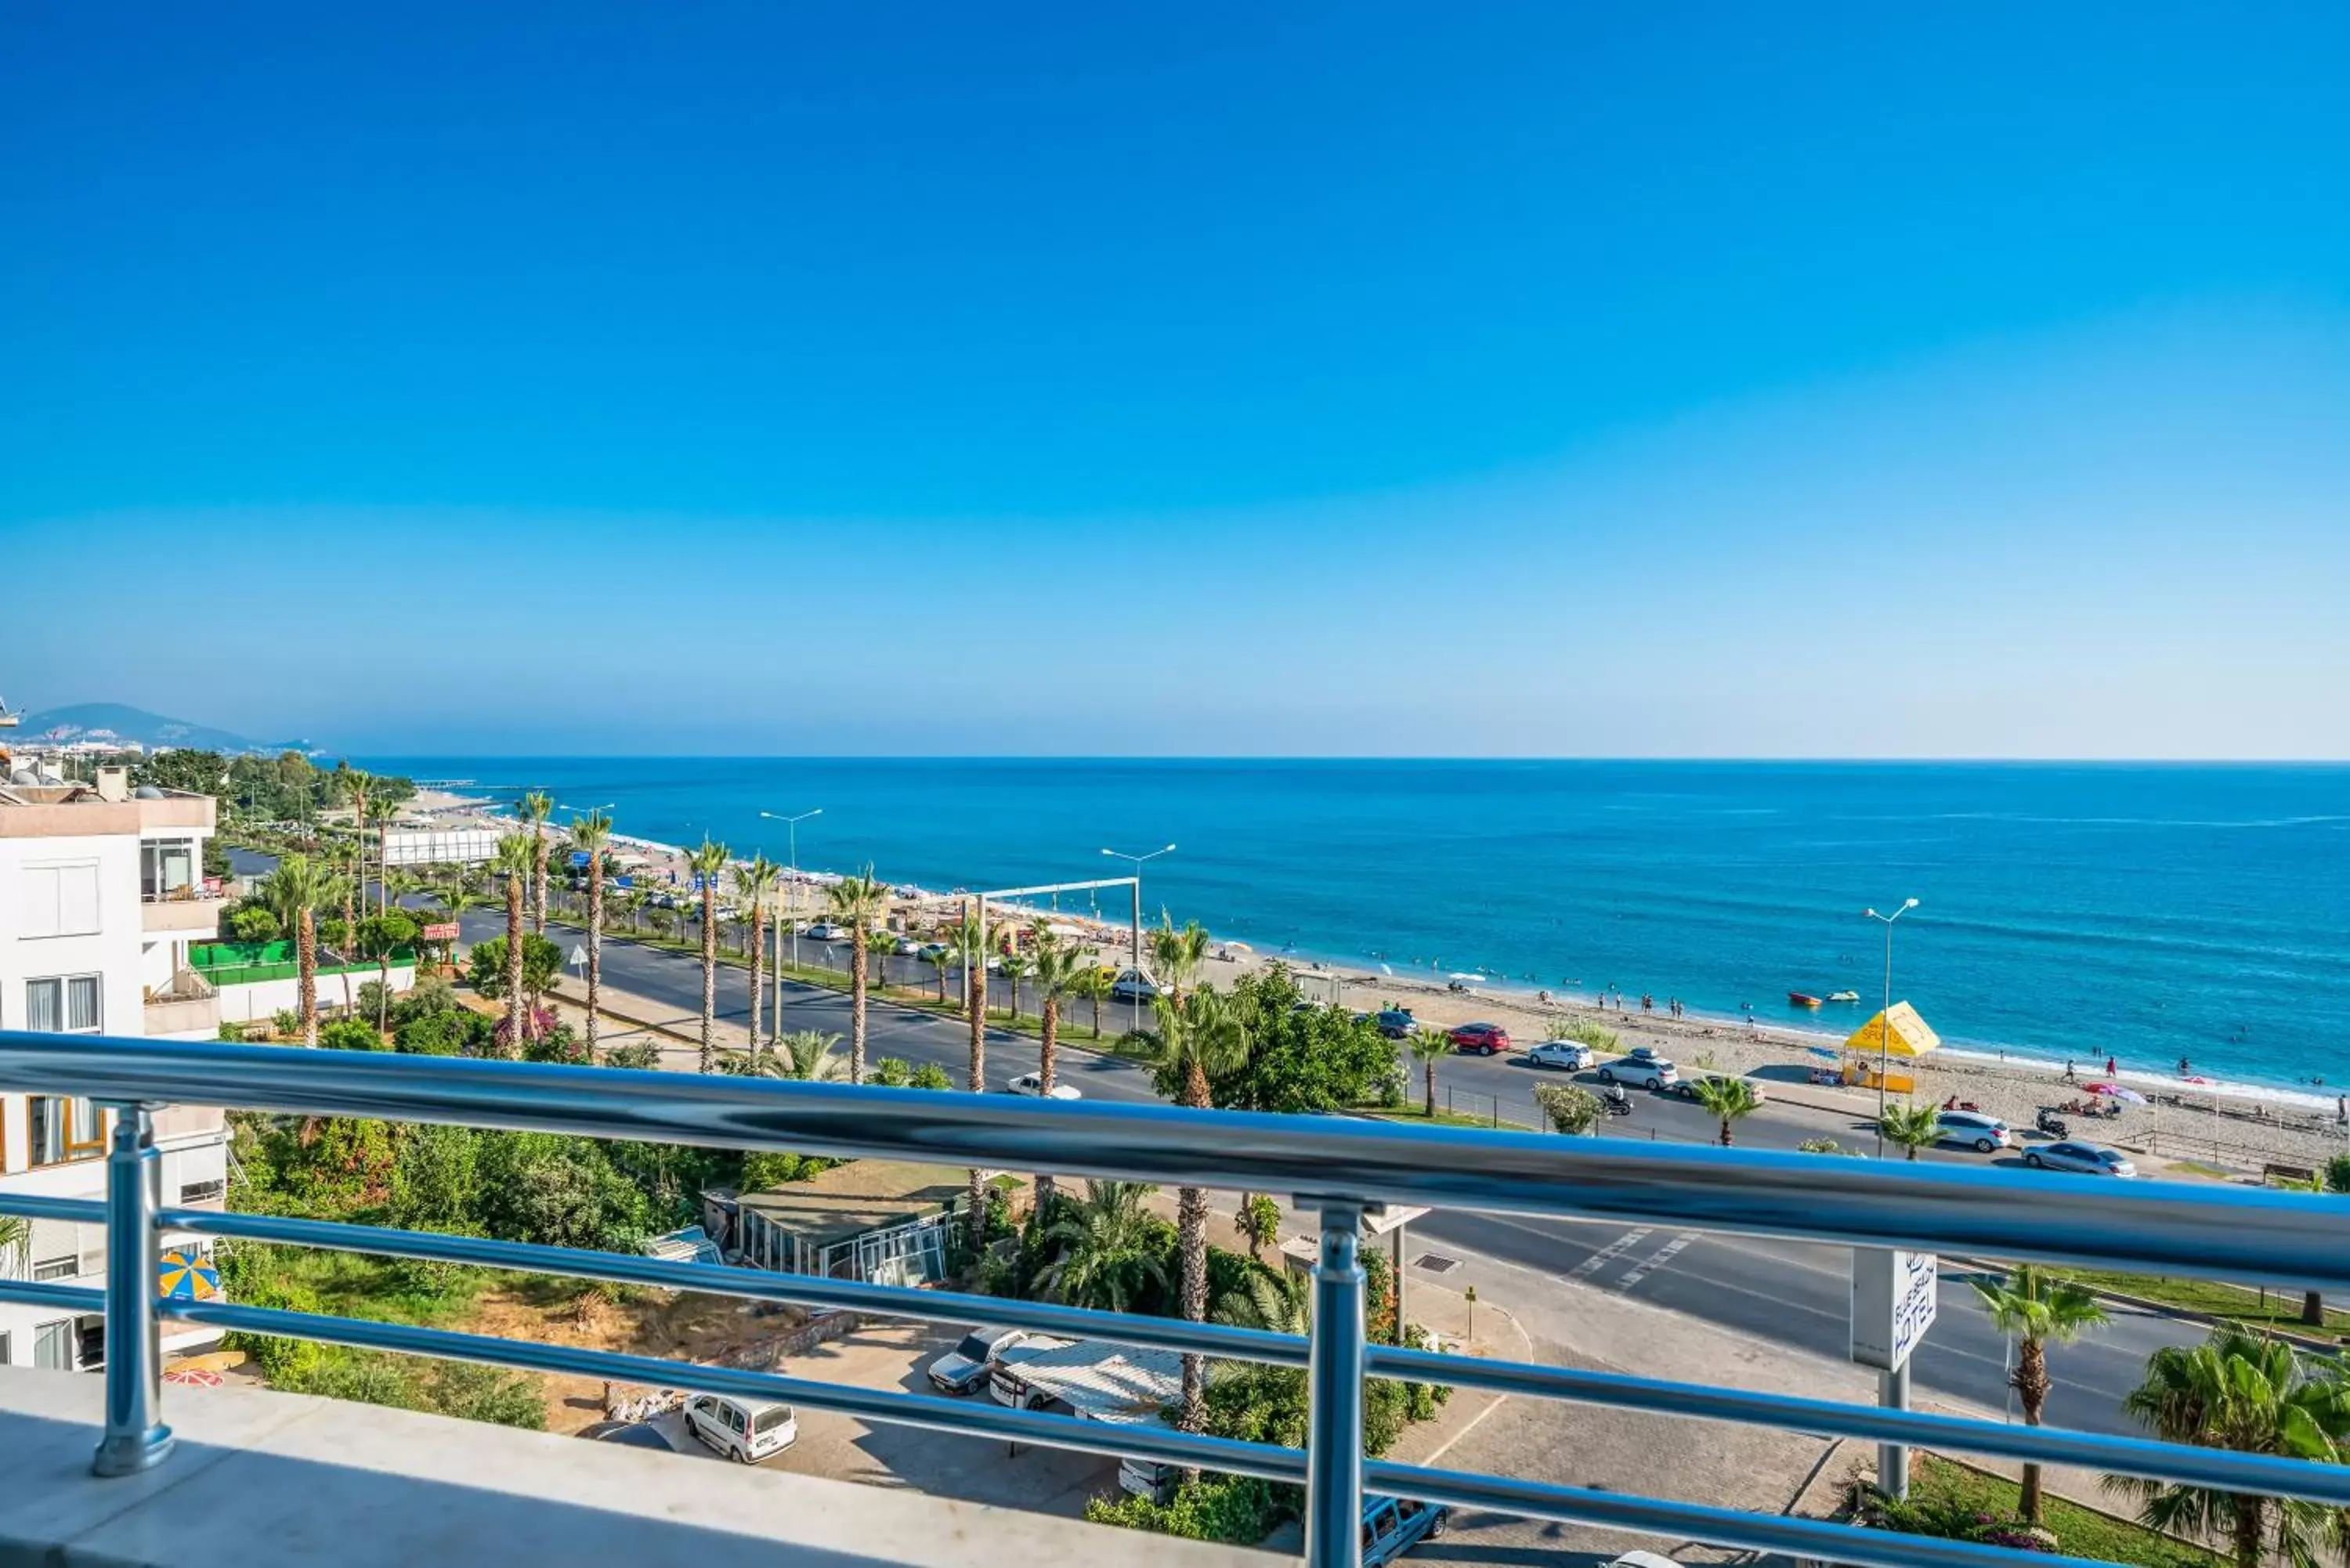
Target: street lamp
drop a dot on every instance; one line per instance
(1885, 1019)
(791, 916)
(1138, 860)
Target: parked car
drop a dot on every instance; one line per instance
(2088, 1158)
(1394, 1525)
(1565, 1055)
(825, 932)
(1133, 985)
(930, 950)
(1649, 1072)
(743, 1430)
(1481, 1039)
(965, 1369)
(905, 947)
(1033, 1083)
(1687, 1087)
(1396, 1023)
(1976, 1131)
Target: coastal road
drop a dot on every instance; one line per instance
(1793, 1293)
(1788, 1293)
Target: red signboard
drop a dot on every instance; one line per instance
(442, 933)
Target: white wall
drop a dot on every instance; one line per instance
(113, 951)
(257, 1004)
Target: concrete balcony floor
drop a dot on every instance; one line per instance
(261, 1479)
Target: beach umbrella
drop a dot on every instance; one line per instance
(193, 1377)
(185, 1276)
(2115, 1092)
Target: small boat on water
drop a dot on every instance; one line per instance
(1843, 996)
(1801, 999)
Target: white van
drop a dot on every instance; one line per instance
(743, 1430)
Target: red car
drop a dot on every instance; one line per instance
(1481, 1039)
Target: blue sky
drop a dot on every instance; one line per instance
(1505, 379)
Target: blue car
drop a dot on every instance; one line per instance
(1394, 1525)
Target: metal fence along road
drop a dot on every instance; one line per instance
(1337, 1166)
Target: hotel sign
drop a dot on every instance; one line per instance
(444, 932)
(1894, 1299)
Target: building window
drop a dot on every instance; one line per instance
(167, 868)
(66, 1131)
(63, 1268)
(53, 1344)
(7, 1351)
(60, 900)
(72, 1004)
(201, 1192)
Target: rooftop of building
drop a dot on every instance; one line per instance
(36, 803)
(859, 1196)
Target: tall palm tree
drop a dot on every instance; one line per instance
(2037, 1309)
(939, 956)
(756, 883)
(2251, 1394)
(1428, 1047)
(1197, 1037)
(356, 785)
(348, 867)
(1912, 1127)
(456, 898)
(1057, 968)
(857, 902)
(513, 861)
(590, 832)
(970, 942)
(707, 861)
(1105, 1258)
(1176, 955)
(294, 892)
(378, 814)
(1092, 983)
(1014, 966)
(1730, 1099)
(535, 808)
(1277, 1303)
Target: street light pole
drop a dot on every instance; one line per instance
(1885, 1018)
(1138, 860)
(792, 826)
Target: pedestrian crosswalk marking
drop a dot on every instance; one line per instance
(1609, 1254)
(1656, 1260)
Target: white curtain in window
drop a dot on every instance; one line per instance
(44, 1006)
(82, 1002)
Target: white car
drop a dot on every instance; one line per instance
(825, 932)
(1976, 1131)
(968, 1365)
(1648, 1072)
(1565, 1055)
(1133, 985)
(905, 947)
(1033, 1083)
(743, 1430)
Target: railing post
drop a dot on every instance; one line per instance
(1334, 1445)
(135, 1438)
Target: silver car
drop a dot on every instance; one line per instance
(2088, 1158)
(967, 1366)
(1562, 1054)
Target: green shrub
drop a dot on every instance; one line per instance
(640, 1056)
(930, 1076)
(349, 1034)
(890, 1073)
(1598, 1036)
(1241, 1510)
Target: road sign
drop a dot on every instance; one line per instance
(579, 955)
(1894, 1298)
(444, 932)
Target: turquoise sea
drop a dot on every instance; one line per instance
(2146, 912)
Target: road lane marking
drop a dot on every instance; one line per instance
(1609, 1254)
(1656, 1260)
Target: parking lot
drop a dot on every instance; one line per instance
(943, 1464)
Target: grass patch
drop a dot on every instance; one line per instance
(2235, 1302)
(1414, 1116)
(1943, 1491)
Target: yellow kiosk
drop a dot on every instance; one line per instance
(1895, 1034)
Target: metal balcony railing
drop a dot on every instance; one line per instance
(1338, 1167)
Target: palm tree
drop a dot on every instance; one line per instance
(355, 784)
(1057, 965)
(805, 1055)
(15, 1246)
(756, 882)
(590, 832)
(456, 898)
(1196, 1038)
(971, 945)
(857, 902)
(1092, 982)
(2037, 1309)
(535, 808)
(380, 813)
(707, 861)
(1277, 1303)
(940, 957)
(1107, 1259)
(1428, 1047)
(1912, 1127)
(1176, 955)
(2251, 1394)
(293, 891)
(514, 861)
(1731, 1100)
(348, 869)
(1014, 967)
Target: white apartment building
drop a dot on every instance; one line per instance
(101, 893)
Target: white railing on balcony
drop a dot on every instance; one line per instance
(1340, 1168)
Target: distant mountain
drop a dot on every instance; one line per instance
(120, 721)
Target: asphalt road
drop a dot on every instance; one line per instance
(1794, 1293)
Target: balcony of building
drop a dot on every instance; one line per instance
(189, 1007)
(193, 1475)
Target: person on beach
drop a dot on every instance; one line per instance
(2185, 1068)
(2068, 1071)
(2112, 1066)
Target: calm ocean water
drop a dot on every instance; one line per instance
(2140, 911)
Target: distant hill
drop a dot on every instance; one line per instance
(121, 721)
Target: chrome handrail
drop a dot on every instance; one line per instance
(1335, 1166)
